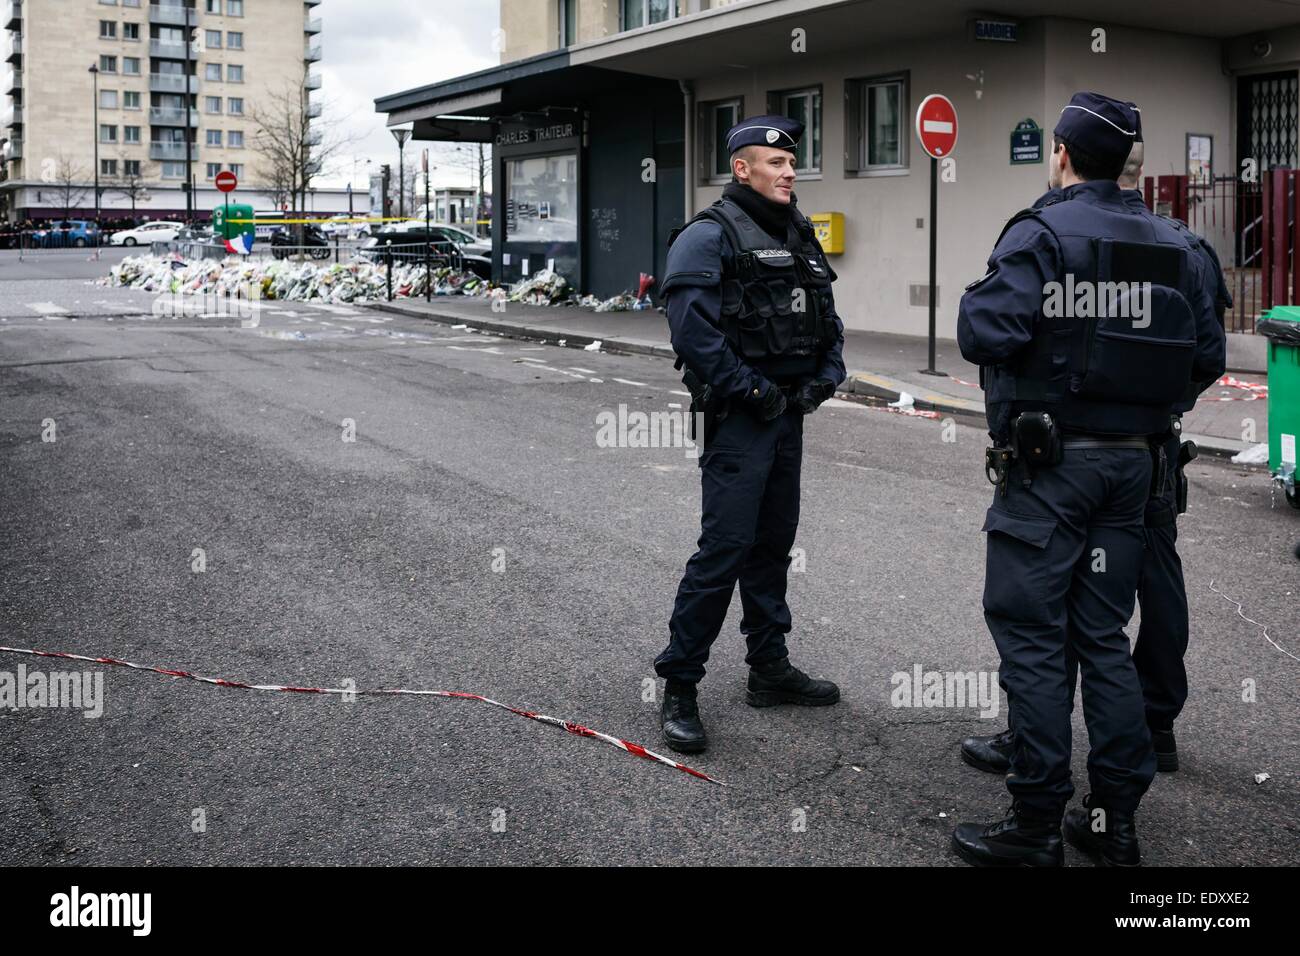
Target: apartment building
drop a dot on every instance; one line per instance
(168, 101)
(607, 119)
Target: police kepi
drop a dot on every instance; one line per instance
(1086, 331)
(753, 323)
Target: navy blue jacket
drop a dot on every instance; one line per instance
(693, 288)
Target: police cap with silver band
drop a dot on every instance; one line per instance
(780, 132)
(1105, 127)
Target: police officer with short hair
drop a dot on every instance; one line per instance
(1162, 594)
(753, 322)
(1091, 322)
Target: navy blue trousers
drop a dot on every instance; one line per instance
(1064, 559)
(749, 477)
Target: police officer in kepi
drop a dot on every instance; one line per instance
(1092, 322)
(753, 323)
(1162, 595)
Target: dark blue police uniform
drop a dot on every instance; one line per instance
(1065, 532)
(752, 320)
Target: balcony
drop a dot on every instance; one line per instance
(15, 49)
(172, 152)
(312, 52)
(13, 116)
(169, 14)
(14, 20)
(14, 148)
(167, 49)
(166, 117)
(313, 110)
(172, 83)
(312, 25)
(313, 137)
(311, 3)
(312, 82)
(15, 81)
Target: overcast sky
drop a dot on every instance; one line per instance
(376, 47)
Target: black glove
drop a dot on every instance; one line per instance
(813, 394)
(766, 401)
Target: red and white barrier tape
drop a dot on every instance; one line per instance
(1258, 391)
(576, 729)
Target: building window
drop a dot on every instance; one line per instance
(235, 139)
(568, 22)
(131, 134)
(235, 41)
(108, 64)
(876, 125)
(212, 71)
(131, 65)
(214, 6)
(107, 134)
(234, 8)
(108, 29)
(716, 119)
(542, 199)
(131, 31)
(108, 99)
(214, 137)
(130, 167)
(638, 13)
(213, 169)
(130, 100)
(173, 170)
(108, 3)
(237, 169)
(108, 167)
(212, 38)
(130, 3)
(234, 73)
(212, 104)
(805, 106)
(235, 106)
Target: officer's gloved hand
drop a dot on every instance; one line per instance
(813, 394)
(766, 401)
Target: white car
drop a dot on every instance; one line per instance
(143, 235)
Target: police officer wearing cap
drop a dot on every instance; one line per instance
(1162, 594)
(753, 323)
(1091, 323)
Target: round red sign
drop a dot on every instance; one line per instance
(936, 125)
(226, 181)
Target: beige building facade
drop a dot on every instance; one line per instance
(149, 83)
(1216, 83)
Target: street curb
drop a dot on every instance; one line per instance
(857, 383)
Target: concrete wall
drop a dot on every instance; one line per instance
(1177, 80)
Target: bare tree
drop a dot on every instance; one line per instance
(69, 182)
(292, 148)
(130, 183)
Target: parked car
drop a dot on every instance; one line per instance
(161, 231)
(411, 242)
(61, 233)
(314, 242)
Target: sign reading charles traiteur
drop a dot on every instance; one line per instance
(521, 135)
(1026, 143)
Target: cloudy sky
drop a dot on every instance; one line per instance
(376, 47)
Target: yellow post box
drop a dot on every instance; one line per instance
(829, 229)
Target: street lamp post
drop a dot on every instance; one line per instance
(401, 135)
(94, 73)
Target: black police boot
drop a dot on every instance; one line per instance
(683, 730)
(1105, 834)
(783, 683)
(1166, 750)
(992, 754)
(1022, 839)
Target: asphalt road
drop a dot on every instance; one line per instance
(373, 561)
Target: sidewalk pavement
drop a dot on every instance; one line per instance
(880, 364)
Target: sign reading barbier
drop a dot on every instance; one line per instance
(535, 134)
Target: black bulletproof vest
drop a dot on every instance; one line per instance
(777, 308)
(1114, 345)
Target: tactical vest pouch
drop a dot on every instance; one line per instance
(1139, 344)
(773, 281)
